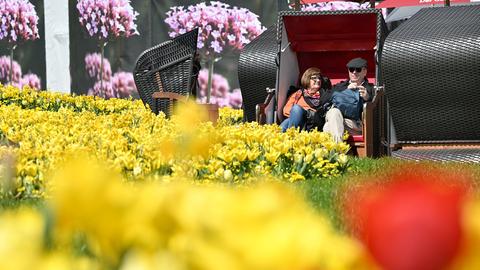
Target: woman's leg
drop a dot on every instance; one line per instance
(334, 124)
(296, 119)
(284, 125)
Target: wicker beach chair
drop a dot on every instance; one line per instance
(431, 72)
(325, 39)
(164, 74)
(257, 70)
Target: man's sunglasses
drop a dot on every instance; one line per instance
(355, 69)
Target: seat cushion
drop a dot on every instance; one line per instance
(355, 138)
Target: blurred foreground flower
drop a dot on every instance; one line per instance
(411, 219)
(194, 137)
(188, 226)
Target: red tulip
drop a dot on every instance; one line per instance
(412, 222)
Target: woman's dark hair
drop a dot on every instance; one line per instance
(305, 80)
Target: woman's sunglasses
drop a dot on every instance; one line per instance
(355, 69)
(315, 77)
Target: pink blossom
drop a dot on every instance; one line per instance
(18, 21)
(5, 70)
(92, 66)
(222, 28)
(123, 84)
(31, 80)
(220, 86)
(220, 94)
(103, 90)
(104, 19)
(335, 5)
(235, 98)
(120, 85)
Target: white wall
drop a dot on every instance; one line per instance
(57, 46)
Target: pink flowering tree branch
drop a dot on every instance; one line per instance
(107, 19)
(17, 80)
(222, 29)
(220, 93)
(18, 22)
(335, 5)
(118, 85)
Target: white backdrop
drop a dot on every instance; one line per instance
(57, 46)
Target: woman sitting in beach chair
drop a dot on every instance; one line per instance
(306, 107)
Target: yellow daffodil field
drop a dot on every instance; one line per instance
(118, 187)
(41, 129)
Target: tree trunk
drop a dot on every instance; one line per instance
(211, 62)
(102, 53)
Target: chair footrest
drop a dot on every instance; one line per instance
(355, 138)
(466, 155)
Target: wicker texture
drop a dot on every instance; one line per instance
(464, 155)
(431, 71)
(257, 70)
(381, 27)
(379, 133)
(166, 67)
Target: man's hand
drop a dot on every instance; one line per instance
(352, 86)
(363, 93)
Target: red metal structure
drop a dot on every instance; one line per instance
(404, 3)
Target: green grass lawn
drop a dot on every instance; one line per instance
(326, 195)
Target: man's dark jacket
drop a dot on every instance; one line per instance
(348, 101)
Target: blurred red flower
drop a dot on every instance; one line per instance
(413, 222)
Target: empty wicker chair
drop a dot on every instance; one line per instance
(257, 70)
(164, 73)
(431, 70)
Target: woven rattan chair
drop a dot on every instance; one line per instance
(431, 72)
(324, 39)
(257, 70)
(164, 73)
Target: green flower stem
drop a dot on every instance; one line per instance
(102, 53)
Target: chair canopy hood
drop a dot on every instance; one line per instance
(329, 39)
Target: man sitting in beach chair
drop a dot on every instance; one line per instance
(348, 98)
